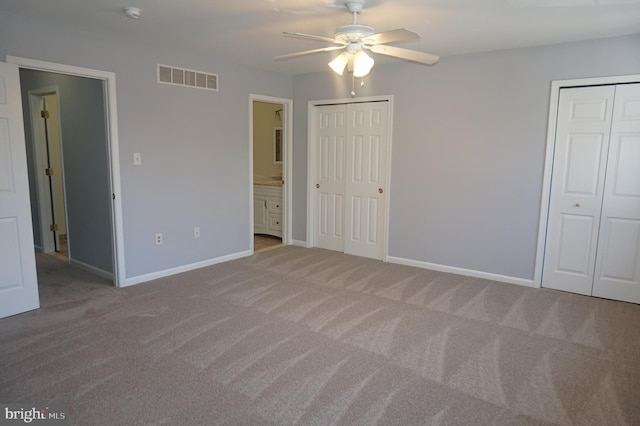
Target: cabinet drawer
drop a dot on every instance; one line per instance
(275, 205)
(275, 222)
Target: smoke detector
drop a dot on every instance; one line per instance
(132, 12)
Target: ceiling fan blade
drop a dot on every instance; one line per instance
(393, 36)
(329, 6)
(315, 38)
(409, 55)
(307, 52)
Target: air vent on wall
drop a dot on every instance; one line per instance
(184, 77)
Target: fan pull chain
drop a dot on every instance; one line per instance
(353, 85)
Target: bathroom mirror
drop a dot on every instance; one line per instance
(277, 145)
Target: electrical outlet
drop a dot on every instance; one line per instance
(158, 239)
(196, 232)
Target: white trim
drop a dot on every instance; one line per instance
(387, 189)
(311, 173)
(556, 85)
(185, 268)
(109, 79)
(461, 271)
(92, 269)
(287, 169)
(35, 64)
(311, 164)
(299, 243)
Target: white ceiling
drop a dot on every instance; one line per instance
(249, 31)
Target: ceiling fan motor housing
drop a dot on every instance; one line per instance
(354, 6)
(353, 32)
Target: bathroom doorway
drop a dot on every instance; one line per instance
(270, 165)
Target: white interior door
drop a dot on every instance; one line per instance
(366, 157)
(582, 139)
(50, 104)
(48, 153)
(330, 135)
(18, 279)
(617, 274)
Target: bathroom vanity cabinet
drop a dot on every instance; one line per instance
(267, 210)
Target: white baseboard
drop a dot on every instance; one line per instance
(180, 269)
(101, 272)
(299, 243)
(461, 271)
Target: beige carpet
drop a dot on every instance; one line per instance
(307, 336)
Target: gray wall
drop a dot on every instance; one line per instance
(469, 139)
(468, 144)
(194, 143)
(86, 169)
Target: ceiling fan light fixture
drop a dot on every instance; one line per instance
(132, 12)
(362, 64)
(339, 63)
(355, 38)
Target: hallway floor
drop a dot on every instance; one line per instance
(263, 242)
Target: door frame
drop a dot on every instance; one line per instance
(42, 184)
(556, 86)
(312, 163)
(287, 165)
(113, 157)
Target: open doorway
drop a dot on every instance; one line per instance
(270, 162)
(72, 182)
(89, 163)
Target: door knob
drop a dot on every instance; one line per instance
(317, 185)
(380, 190)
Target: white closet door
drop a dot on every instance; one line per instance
(349, 158)
(18, 280)
(578, 178)
(330, 135)
(617, 274)
(366, 157)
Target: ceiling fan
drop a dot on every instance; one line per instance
(355, 38)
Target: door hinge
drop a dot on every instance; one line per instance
(48, 172)
(44, 114)
(53, 227)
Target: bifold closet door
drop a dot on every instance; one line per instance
(350, 144)
(577, 181)
(593, 230)
(617, 274)
(365, 195)
(330, 134)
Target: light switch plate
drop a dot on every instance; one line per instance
(137, 159)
